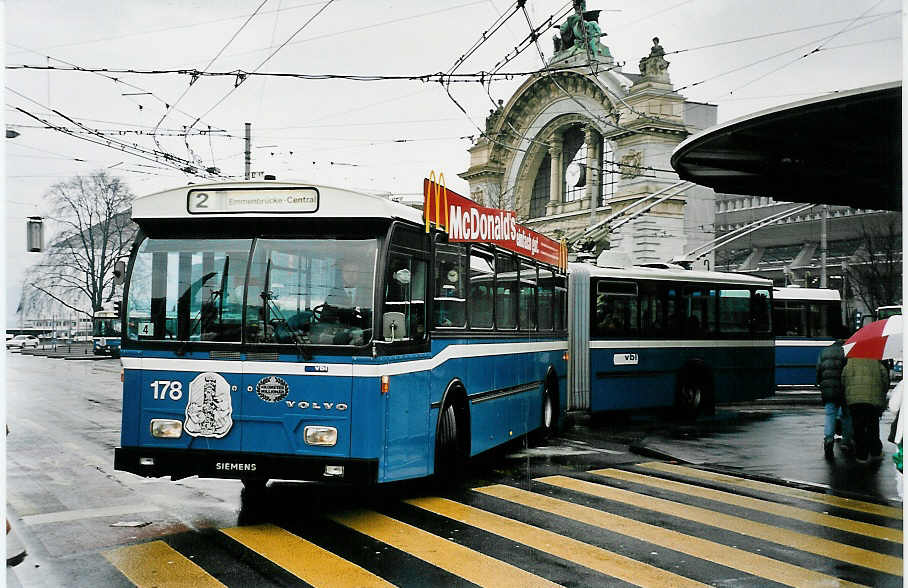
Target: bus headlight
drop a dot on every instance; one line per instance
(166, 428)
(318, 435)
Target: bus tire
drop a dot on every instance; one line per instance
(694, 395)
(549, 425)
(449, 460)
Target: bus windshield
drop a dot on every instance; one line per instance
(106, 326)
(317, 291)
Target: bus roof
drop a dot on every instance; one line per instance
(272, 199)
(789, 293)
(675, 274)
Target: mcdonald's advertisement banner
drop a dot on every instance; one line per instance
(467, 222)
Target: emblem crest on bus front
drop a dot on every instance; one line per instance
(209, 412)
(272, 389)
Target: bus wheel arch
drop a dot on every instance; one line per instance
(695, 390)
(452, 433)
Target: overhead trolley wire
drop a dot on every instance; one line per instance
(193, 80)
(103, 140)
(176, 27)
(819, 48)
(241, 79)
(99, 71)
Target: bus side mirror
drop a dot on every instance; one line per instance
(392, 325)
(119, 272)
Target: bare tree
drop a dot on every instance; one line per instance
(91, 214)
(875, 270)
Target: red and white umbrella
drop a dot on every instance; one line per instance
(878, 340)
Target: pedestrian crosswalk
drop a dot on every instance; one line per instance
(648, 524)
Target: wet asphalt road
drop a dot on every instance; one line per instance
(65, 499)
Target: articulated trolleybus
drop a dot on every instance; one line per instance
(286, 331)
(643, 337)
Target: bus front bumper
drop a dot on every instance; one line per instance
(182, 463)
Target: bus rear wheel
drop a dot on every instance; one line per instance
(695, 394)
(448, 456)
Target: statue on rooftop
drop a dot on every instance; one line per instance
(654, 65)
(581, 26)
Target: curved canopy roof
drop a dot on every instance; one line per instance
(843, 148)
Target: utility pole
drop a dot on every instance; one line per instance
(824, 218)
(248, 150)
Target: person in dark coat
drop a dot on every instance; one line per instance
(866, 382)
(829, 379)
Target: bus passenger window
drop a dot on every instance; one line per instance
(652, 317)
(560, 302)
(616, 309)
(482, 280)
(450, 302)
(546, 299)
(527, 296)
(760, 312)
(734, 311)
(506, 292)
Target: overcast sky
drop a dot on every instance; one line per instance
(742, 55)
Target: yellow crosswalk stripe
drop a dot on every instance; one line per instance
(838, 501)
(816, 545)
(158, 564)
(757, 565)
(590, 556)
(447, 555)
(783, 510)
(303, 559)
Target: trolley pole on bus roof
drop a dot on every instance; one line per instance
(248, 150)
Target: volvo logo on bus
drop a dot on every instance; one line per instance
(309, 405)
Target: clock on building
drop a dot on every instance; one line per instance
(575, 175)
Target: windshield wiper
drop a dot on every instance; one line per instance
(269, 304)
(181, 350)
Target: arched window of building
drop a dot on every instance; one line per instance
(575, 158)
(541, 188)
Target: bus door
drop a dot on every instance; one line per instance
(404, 336)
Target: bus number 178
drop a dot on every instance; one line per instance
(165, 388)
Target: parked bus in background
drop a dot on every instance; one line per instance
(278, 330)
(667, 337)
(804, 322)
(106, 324)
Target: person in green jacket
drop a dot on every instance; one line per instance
(866, 382)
